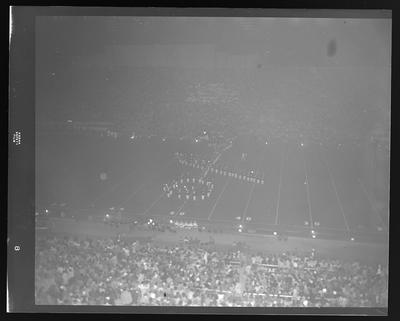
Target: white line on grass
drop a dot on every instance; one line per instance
(154, 203)
(222, 192)
(126, 200)
(370, 201)
(248, 202)
(219, 196)
(280, 185)
(337, 195)
(308, 190)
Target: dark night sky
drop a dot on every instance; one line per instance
(345, 60)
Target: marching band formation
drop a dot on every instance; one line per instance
(189, 188)
(251, 176)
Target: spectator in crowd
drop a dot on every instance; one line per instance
(121, 272)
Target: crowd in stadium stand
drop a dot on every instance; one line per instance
(181, 104)
(80, 271)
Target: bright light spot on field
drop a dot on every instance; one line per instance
(240, 230)
(302, 144)
(352, 239)
(312, 232)
(275, 233)
(313, 236)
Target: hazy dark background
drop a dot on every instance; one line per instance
(338, 64)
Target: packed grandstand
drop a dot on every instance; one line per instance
(83, 271)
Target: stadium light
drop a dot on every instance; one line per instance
(312, 232)
(313, 236)
(47, 211)
(275, 233)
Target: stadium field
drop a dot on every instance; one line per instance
(309, 183)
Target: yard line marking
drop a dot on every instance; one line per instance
(308, 190)
(248, 202)
(218, 198)
(110, 190)
(222, 192)
(370, 201)
(154, 203)
(181, 207)
(143, 185)
(280, 184)
(133, 193)
(337, 195)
